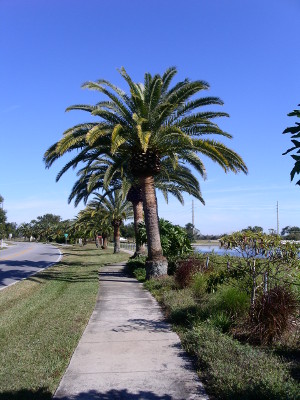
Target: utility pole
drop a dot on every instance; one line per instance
(277, 219)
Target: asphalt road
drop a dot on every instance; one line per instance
(21, 260)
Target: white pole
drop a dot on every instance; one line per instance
(277, 219)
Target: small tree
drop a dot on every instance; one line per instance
(192, 232)
(11, 228)
(264, 260)
(174, 239)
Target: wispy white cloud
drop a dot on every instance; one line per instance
(10, 109)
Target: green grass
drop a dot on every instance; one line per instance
(42, 320)
(235, 371)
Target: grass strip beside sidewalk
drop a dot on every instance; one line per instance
(42, 320)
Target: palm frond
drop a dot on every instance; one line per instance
(167, 78)
(155, 92)
(200, 118)
(122, 108)
(96, 133)
(82, 107)
(72, 164)
(208, 129)
(133, 87)
(124, 97)
(192, 105)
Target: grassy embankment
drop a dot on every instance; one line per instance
(42, 320)
(230, 369)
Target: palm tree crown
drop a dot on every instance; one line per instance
(152, 123)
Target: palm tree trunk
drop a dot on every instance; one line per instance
(104, 245)
(116, 225)
(138, 217)
(156, 264)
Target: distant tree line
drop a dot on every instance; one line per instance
(291, 233)
(6, 228)
(193, 234)
(47, 228)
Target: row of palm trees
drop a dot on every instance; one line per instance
(145, 139)
(46, 228)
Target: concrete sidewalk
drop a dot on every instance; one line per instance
(128, 350)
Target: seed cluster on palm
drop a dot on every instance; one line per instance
(141, 132)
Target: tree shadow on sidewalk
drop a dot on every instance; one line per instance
(113, 394)
(25, 394)
(123, 394)
(65, 276)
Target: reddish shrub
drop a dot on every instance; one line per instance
(186, 269)
(272, 314)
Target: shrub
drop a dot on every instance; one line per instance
(171, 266)
(140, 274)
(221, 321)
(186, 269)
(136, 267)
(199, 284)
(180, 305)
(231, 301)
(271, 314)
(174, 239)
(235, 371)
(223, 308)
(215, 279)
(161, 283)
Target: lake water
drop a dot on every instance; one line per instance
(216, 249)
(219, 250)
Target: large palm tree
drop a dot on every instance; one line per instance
(154, 122)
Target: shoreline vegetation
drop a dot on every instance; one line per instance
(212, 242)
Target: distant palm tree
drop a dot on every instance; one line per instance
(152, 123)
(90, 223)
(113, 209)
(25, 229)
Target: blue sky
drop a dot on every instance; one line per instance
(247, 50)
